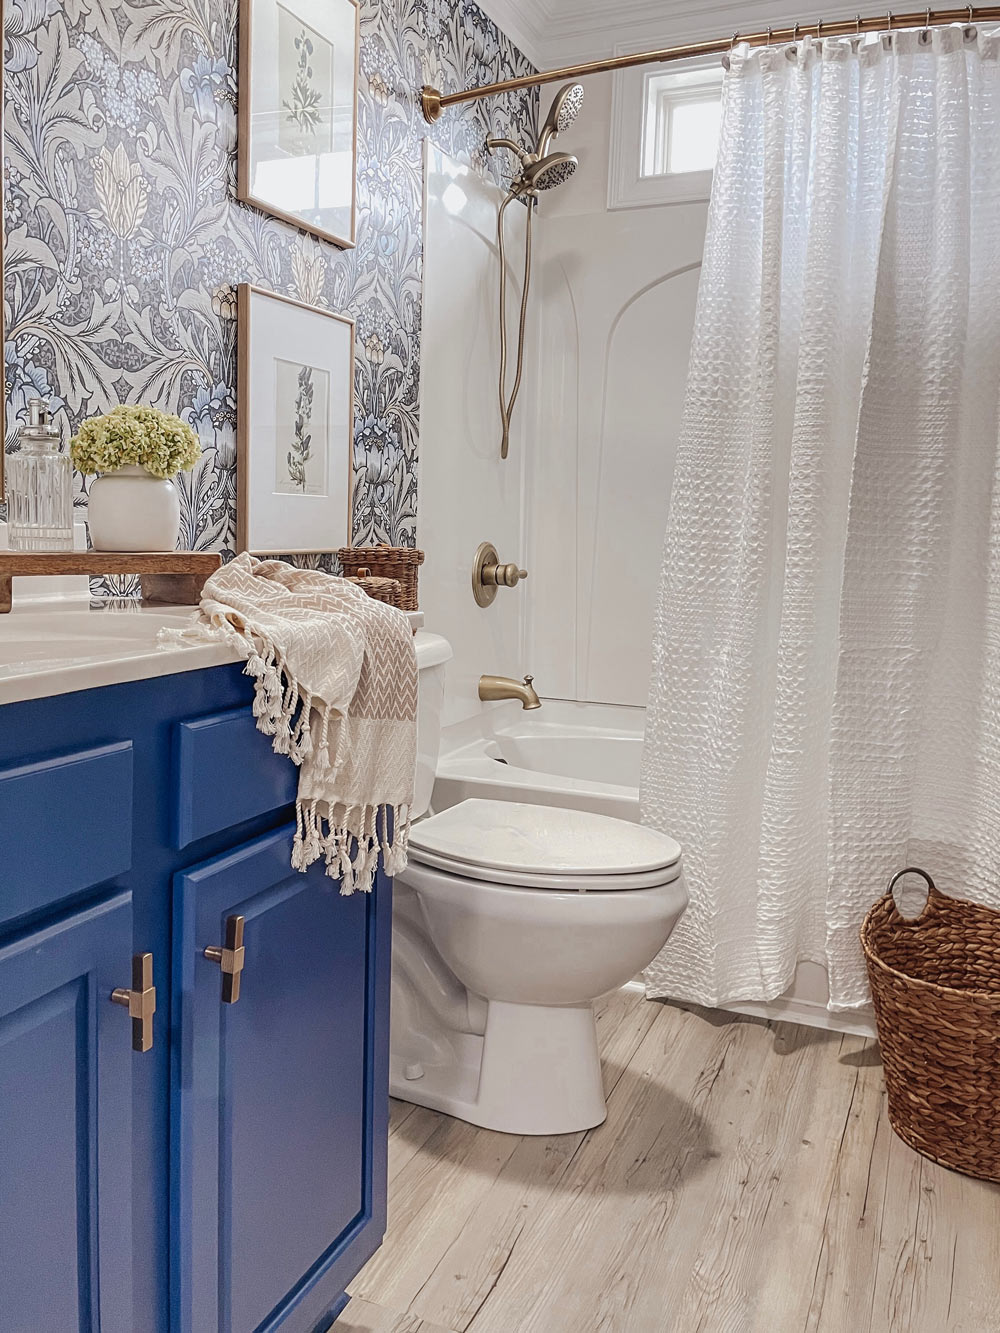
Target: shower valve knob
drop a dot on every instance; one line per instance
(504, 576)
(488, 574)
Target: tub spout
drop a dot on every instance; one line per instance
(502, 687)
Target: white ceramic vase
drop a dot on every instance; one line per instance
(131, 510)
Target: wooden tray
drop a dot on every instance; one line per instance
(175, 578)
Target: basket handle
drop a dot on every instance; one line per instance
(932, 892)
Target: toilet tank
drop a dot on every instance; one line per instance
(433, 652)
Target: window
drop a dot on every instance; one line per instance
(665, 135)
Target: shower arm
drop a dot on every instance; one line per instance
(507, 405)
(493, 144)
(433, 101)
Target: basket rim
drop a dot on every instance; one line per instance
(935, 986)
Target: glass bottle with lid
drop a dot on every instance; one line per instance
(39, 487)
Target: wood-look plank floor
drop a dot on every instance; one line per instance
(746, 1180)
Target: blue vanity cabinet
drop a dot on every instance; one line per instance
(232, 1177)
(279, 1122)
(66, 1125)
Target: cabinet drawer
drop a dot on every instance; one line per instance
(226, 773)
(67, 826)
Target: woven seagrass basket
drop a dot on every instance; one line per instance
(935, 981)
(387, 562)
(389, 591)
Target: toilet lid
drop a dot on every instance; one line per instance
(538, 840)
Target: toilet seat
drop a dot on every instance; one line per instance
(544, 847)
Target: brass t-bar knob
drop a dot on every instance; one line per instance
(488, 574)
(504, 576)
(140, 1001)
(231, 958)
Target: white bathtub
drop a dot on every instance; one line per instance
(583, 755)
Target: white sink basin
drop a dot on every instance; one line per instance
(56, 647)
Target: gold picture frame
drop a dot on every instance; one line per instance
(254, 192)
(266, 507)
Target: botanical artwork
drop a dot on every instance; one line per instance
(125, 241)
(302, 417)
(305, 61)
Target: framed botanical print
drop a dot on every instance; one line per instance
(298, 112)
(295, 426)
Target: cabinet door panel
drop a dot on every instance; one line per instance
(226, 773)
(66, 1111)
(274, 1160)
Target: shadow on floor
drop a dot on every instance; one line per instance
(866, 1059)
(672, 1144)
(787, 1037)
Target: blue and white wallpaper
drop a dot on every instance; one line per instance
(125, 241)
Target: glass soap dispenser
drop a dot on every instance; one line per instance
(39, 487)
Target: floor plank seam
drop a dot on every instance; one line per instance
(871, 1161)
(493, 1285)
(825, 1233)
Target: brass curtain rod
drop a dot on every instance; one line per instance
(433, 102)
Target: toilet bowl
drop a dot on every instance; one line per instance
(509, 921)
(520, 917)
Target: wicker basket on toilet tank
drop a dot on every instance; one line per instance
(386, 562)
(935, 982)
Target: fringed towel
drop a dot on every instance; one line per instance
(335, 674)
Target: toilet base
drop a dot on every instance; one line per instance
(536, 1070)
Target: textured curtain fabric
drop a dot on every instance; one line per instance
(825, 705)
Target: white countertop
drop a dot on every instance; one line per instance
(57, 646)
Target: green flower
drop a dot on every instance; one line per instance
(158, 441)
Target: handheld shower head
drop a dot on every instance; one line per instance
(548, 172)
(564, 110)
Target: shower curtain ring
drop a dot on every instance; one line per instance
(768, 37)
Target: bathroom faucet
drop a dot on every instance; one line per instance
(502, 687)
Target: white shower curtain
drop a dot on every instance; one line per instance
(825, 705)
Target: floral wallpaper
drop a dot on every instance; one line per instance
(125, 241)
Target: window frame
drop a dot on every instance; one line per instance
(630, 151)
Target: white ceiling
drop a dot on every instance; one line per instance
(559, 32)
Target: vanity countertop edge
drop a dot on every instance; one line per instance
(60, 646)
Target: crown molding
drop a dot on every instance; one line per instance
(562, 32)
(523, 22)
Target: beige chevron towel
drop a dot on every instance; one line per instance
(335, 674)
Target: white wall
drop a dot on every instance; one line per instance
(615, 300)
(467, 494)
(582, 499)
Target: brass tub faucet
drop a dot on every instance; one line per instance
(503, 687)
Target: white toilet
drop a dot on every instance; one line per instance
(508, 923)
